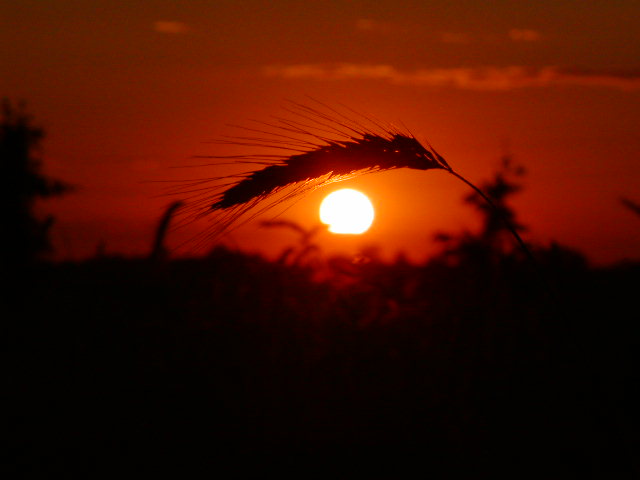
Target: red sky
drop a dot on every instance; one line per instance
(127, 89)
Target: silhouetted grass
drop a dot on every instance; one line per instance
(450, 367)
(313, 148)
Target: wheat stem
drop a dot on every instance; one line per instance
(510, 227)
(555, 299)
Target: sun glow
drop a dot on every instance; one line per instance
(347, 211)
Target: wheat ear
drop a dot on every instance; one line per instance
(310, 148)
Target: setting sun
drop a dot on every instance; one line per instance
(347, 211)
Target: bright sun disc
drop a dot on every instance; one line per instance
(347, 211)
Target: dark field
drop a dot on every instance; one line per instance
(465, 366)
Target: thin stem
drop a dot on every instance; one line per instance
(493, 206)
(537, 269)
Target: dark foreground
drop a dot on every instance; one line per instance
(236, 363)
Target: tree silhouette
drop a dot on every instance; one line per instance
(25, 236)
(494, 237)
(499, 189)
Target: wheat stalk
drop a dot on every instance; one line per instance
(315, 146)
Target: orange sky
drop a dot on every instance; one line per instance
(127, 89)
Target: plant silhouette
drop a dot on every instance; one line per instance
(497, 216)
(27, 236)
(454, 369)
(318, 146)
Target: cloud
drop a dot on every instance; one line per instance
(456, 38)
(622, 79)
(464, 38)
(468, 78)
(170, 27)
(524, 35)
(375, 26)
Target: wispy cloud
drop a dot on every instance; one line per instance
(170, 27)
(457, 38)
(375, 26)
(476, 78)
(465, 38)
(524, 35)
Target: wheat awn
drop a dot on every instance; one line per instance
(315, 146)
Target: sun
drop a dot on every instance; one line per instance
(347, 211)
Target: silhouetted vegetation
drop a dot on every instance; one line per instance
(25, 236)
(232, 358)
(461, 365)
(494, 237)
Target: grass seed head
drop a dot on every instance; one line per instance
(309, 149)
